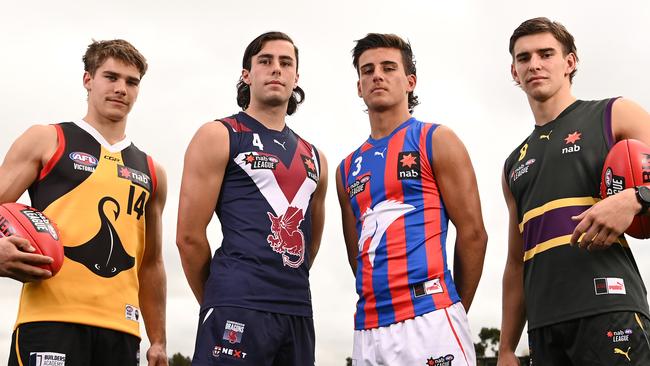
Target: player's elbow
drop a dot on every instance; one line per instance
(474, 238)
(187, 241)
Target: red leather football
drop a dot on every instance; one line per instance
(33, 225)
(628, 165)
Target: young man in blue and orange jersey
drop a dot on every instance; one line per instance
(391, 189)
(267, 186)
(107, 198)
(585, 305)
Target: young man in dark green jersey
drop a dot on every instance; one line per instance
(569, 271)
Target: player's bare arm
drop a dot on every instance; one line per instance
(601, 225)
(349, 227)
(152, 278)
(318, 210)
(455, 176)
(513, 312)
(20, 168)
(206, 159)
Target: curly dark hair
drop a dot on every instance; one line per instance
(243, 89)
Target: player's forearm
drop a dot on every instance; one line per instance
(468, 264)
(513, 311)
(195, 258)
(153, 297)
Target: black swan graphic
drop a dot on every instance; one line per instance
(104, 254)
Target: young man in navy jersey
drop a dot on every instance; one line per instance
(570, 272)
(267, 186)
(397, 193)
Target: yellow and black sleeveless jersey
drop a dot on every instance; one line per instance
(553, 175)
(96, 194)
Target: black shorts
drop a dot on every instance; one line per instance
(609, 339)
(55, 343)
(238, 336)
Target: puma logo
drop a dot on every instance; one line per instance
(619, 351)
(281, 144)
(548, 137)
(377, 153)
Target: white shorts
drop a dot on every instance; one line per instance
(440, 338)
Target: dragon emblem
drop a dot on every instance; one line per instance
(286, 237)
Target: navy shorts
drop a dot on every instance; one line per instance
(609, 339)
(56, 343)
(238, 336)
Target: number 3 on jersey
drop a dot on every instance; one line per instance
(357, 161)
(257, 142)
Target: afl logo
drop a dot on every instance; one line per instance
(608, 177)
(83, 158)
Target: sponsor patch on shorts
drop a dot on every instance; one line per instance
(233, 332)
(609, 286)
(132, 313)
(46, 359)
(440, 361)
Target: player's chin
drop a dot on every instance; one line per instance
(275, 100)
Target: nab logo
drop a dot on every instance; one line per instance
(135, 176)
(358, 186)
(408, 165)
(83, 159)
(572, 138)
(310, 167)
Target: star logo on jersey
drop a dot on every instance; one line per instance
(572, 137)
(408, 160)
(249, 159)
(259, 161)
(310, 167)
(408, 165)
(124, 173)
(286, 237)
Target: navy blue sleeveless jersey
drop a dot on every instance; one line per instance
(265, 217)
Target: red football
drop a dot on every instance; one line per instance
(33, 225)
(628, 165)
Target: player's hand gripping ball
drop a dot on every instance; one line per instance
(628, 165)
(31, 224)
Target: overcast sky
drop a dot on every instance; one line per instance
(194, 49)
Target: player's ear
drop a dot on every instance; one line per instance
(412, 80)
(87, 79)
(513, 72)
(571, 63)
(245, 76)
(359, 88)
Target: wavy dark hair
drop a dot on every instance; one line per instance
(243, 89)
(379, 40)
(545, 25)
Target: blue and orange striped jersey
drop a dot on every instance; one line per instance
(401, 225)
